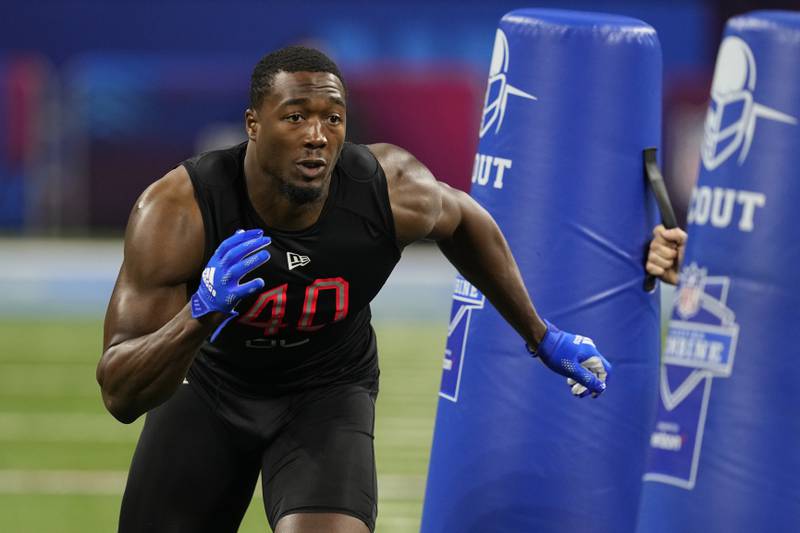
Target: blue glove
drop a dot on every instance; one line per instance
(219, 289)
(575, 357)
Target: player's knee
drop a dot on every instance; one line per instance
(315, 522)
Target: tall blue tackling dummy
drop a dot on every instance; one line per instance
(724, 446)
(572, 100)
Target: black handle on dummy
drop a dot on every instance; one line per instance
(656, 181)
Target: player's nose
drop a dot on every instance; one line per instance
(315, 135)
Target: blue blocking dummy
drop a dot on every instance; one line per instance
(724, 446)
(572, 100)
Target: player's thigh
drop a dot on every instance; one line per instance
(323, 461)
(189, 471)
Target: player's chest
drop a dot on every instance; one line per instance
(315, 281)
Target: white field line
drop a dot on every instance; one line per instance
(66, 427)
(61, 482)
(108, 482)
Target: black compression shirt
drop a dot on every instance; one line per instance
(310, 325)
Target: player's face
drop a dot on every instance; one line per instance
(299, 131)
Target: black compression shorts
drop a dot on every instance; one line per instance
(200, 453)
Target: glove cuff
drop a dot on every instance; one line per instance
(199, 306)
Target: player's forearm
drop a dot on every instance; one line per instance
(479, 251)
(139, 374)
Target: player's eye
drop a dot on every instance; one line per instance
(335, 119)
(294, 118)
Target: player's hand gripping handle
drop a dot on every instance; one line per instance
(219, 289)
(575, 357)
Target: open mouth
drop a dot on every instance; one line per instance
(311, 168)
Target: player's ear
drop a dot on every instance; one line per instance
(251, 123)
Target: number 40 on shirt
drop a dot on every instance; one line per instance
(277, 297)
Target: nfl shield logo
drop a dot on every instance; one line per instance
(693, 279)
(688, 301)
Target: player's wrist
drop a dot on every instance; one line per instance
(536, 335)
(202, 305)
(211, 321)
(548, 341)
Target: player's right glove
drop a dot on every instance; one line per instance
(575, 357)
(219, 289)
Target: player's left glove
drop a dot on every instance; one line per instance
(575, 357)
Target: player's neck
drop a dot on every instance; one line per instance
(273, 205)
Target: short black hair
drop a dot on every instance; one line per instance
(287, 59)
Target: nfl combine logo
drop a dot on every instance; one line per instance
(466, 300)
(700, 347)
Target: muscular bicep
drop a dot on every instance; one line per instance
(454, 205)
(136, 309)
(163, 253)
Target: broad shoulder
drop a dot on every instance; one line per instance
(164, 240)
(414, 192)
(391, 157)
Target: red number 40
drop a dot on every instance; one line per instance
(277, 297)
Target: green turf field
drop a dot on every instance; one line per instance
(63, 459)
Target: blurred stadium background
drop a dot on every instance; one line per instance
(98, 99)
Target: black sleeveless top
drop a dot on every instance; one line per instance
(310, 325)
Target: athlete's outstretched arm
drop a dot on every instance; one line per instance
(424, 208)
(151, 333)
